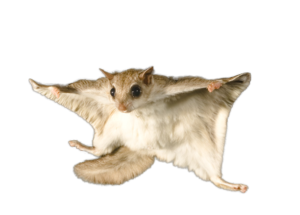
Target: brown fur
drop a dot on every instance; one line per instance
(123, 164)
(115, 168)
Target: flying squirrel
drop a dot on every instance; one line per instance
(138, 116)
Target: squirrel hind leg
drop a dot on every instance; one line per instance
(90, 149)
(221, 183)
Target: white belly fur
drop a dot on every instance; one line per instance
(177, 136)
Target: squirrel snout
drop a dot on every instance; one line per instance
(122, 107)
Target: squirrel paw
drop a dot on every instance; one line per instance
(75, 143)
(214, 85)
(55, 91)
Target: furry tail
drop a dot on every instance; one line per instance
(115, 168)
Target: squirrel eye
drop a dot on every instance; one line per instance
(135, 91)
(112, 92)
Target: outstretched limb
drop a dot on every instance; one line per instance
(53, 91)
(219, 182)
(165, 87)
(90, 149)
(58, 89)
(102, 145)
(87, 98)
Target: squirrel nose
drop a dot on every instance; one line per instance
(122, 107)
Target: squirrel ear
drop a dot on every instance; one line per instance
(146, 75)
(107, 74)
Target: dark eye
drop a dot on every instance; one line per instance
(112, 92)
(135, 91)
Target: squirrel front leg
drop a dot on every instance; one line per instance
(87, 98)
(187, 84)
(165, 87)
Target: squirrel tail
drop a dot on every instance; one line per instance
(115, 168)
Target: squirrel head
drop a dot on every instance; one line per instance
(130, 89)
